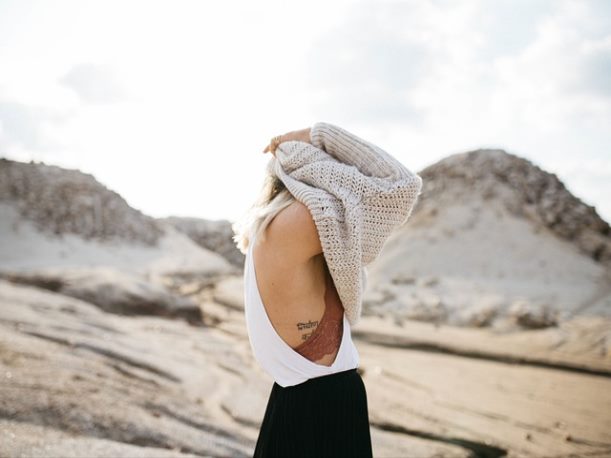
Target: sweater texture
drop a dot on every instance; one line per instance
(357, 193)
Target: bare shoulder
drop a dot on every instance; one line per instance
(293, 232)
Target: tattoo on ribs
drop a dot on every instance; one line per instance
(306, 336)
(310, 324)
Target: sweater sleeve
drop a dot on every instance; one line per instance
(351, 149)
(357, 194)
(387, 177)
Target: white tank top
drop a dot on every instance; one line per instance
(276, 357)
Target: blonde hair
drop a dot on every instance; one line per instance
(273, 197)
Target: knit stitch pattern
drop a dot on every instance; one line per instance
(357, 193)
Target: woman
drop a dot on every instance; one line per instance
(329, 202)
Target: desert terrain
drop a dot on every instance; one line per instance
(486, 329)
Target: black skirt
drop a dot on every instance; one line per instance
(322, 417)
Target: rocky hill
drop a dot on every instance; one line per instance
(62, 230)
(62, 201)
(494, 241)
(213, 235)
(523, 189)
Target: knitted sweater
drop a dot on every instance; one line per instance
(357, 194)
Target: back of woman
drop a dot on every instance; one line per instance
(329, 202)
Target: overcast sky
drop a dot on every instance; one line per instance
(171, 103)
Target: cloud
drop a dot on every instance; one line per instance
(25, 127)
(365, 68)
(385, 60)
(562, 79)
(507, 27)
(33, 128)
(409, 61)
(94, 83)
(596, 68)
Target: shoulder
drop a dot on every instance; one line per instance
(298, 216)
(294, 233)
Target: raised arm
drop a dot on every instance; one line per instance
(370, 159)
(338, 160)
(357, 195)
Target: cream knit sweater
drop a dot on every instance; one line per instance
(357, 194)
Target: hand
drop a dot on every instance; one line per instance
(302, 135)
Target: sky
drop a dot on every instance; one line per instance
(170, 103)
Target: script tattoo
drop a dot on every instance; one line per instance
(306, 336)
(308, 325)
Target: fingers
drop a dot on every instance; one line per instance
(268, 149)
(301, 135)
(274, 144)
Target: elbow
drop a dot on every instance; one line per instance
(408, 193)
(410, 182)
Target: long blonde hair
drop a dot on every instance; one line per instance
(273, 197)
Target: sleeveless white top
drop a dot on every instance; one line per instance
(276, 357)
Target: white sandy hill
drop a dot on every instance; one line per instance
(214, 235)
(494, 240)
(62, 229)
